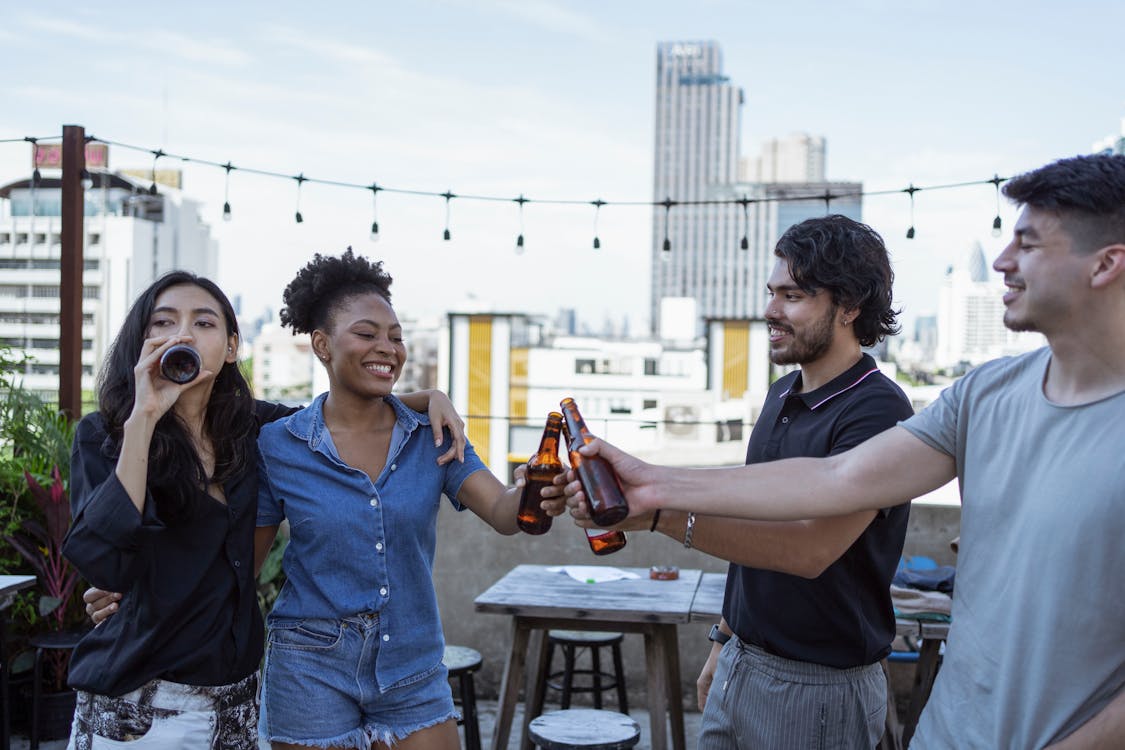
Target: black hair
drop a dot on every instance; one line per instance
(228, 421)
(325, 284)
(850, 261)
(1087, 193)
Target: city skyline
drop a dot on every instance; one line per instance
(550, 101)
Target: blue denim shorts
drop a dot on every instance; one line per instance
(319, 687)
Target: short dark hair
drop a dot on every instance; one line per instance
(229, 420)
(326, 283)
(850, 261)
(1087, 193)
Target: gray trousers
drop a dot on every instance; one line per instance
(759, 701)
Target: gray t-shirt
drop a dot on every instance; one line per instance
(1037, 645)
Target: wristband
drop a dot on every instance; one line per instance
(655, 520)
(690, 530)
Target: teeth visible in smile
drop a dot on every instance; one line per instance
(379, 368)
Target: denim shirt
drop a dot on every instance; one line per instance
(358, 546)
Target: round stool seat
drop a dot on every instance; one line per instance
(461, 659)
(60, 640)
(584, 637)
(585, 728)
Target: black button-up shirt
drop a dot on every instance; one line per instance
(189, 613)
(844, 617)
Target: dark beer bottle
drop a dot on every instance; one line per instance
(542, 468)
(603, 542)
(604, 497)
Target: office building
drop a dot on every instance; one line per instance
(131, 237)
(796, 158)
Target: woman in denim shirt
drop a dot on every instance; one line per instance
(355, 641)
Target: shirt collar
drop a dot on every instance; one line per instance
(308, 424)
(842, 383)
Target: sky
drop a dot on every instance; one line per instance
(551, 100)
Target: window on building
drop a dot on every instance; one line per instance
(40, 238)
(584, 366)
(94, 238)
(91, 264)
(13, 290)
(728, 431)
(91, 292)
(45, 292)
(43, 344)
(649, 403)
(650, 367)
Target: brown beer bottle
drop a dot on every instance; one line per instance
(601, 541)
(604, 497)
(543, 467)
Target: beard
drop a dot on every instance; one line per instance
(808, 344)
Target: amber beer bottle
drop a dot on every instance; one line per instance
(601, 541)
(599, 482)
(542, 468)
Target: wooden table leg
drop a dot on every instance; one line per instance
(675, 694)
(655, 662)
(533, 692)
(923, 684)
(510, 685)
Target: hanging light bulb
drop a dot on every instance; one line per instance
(519, 240)
(300, 180)
(448, 195)
(911, 191)
(36, 178)
(226, 192)
(87, 180)
(597, 211)
(374, 188)
(996, 223)
(155, 156)
(667, 203)
(745, 243)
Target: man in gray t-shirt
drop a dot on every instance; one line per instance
(1036, 651)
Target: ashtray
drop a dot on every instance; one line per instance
(664, 572)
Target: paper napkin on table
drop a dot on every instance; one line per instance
(593, 573)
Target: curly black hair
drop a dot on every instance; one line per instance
(850, 260)
(326, 283)
(1087, 192)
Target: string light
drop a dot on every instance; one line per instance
(911, 191)
(155, 157)
(226, 191)
(828, 202)
(519, 240)
(448, 195)
(745, 243)
(374, 215)
(667, 203)
(300, 179)
(996, 223)
(597, 210)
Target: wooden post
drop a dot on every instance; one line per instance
(70, 283)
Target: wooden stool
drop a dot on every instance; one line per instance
(461, 662)
(585, 728)
(64, 641)
(572, 640)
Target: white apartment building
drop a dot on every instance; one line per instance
(799, 157)
(131, 237)
(970, 321)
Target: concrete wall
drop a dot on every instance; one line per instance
(471, 557)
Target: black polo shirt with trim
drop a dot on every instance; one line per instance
(843, 618)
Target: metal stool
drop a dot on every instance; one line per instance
(585, 728)
(461, 662)
(65, 641)
(572, 640)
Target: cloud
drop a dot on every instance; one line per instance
(554, 17)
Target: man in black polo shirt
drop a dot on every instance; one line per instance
(808, 603)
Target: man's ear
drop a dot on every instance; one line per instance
(1110, 266)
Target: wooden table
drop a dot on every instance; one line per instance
(538, 600)
(9, 587)
(708, 606)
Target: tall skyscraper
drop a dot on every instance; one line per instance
(698, 120)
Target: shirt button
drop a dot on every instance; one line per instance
(383, 591)
(394, 466)
(785, 420)
(374, 502)
(237, 564)
(386, 637)
(379, 546)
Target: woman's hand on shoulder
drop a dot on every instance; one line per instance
(443, 415)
